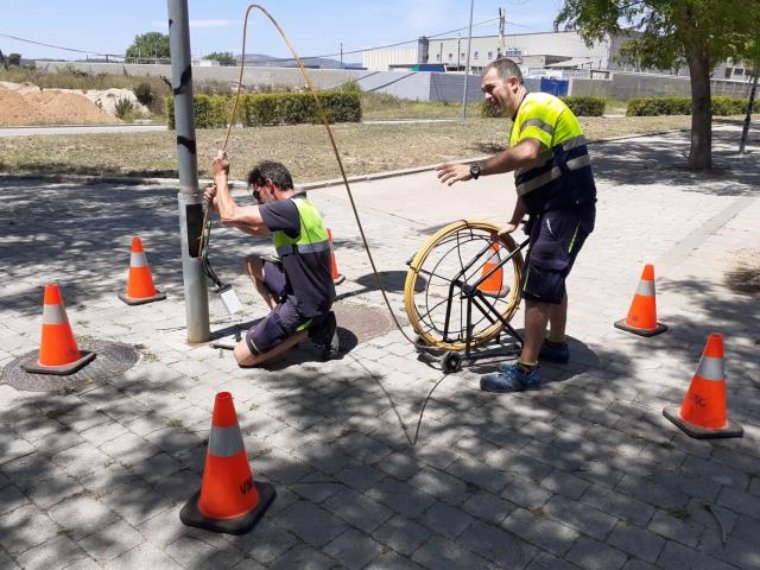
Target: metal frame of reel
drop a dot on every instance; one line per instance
(451, 360)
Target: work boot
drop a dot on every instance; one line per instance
(512, 378)
(326, 337)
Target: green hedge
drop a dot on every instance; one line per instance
(586, 106)
(258, 109)
(580, 106)
(651, 106)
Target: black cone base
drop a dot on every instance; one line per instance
(159, 296)
(191, 516)
(64, 370)
(660, 328)
(697, 432)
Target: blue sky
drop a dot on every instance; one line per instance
(316, 27)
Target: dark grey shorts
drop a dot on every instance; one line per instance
(556, 237)
(282, 322)
(274, 278)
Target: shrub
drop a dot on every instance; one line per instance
(263, 109)
(124, 108)
(653, 106)
(585, 106)
(722, 106)
(580, 106)
(144, 93)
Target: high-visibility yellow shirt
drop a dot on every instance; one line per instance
(561, 176)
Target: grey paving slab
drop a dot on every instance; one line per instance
(583, 473)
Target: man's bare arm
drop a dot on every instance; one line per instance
(515, 158)
(246, 218)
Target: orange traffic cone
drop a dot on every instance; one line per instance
(140, 287)
(703, 411)
(642, 316)
(59, 353)
(493, 284)
(337, 277)
(229, 501)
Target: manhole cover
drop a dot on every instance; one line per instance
(363, 321)
(112, 359)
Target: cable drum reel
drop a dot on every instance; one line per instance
(462, 290)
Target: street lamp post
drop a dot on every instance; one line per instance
(467, 68)
(189, 196)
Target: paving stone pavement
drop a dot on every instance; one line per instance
(584, 473)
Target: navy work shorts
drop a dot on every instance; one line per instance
(274, 278)
(283, 321)
(556, 237)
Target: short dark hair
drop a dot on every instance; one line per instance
(505, 67)
(275, 171)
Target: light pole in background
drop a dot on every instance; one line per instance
(467, 66)
(190, 198)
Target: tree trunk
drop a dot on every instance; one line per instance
(700, 155)
(750, 105)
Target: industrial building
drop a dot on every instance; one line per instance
(538, 54)
(540, 50)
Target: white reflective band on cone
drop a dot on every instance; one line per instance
(137, 259)
(53, 315)
(225, 441)
(710, 368)
(645, 288)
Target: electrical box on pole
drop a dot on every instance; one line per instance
(190, 197)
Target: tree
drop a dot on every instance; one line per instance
(14, 59)
(152, 44)
(752, 60)
(702, 32)
(223, 57)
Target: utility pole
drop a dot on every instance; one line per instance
(341, 55)
(467, 69)
(189, 196)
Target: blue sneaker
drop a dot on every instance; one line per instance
(512, 378)
(559, 353)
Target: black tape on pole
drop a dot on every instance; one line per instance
(194, 215)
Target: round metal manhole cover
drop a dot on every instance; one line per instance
(111, 359)
(363, 321)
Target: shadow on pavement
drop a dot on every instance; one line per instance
(492, 480)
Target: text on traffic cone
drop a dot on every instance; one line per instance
(703, 410)
(229, 500)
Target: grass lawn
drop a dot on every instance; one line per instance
(305, 149)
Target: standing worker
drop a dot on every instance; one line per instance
(555, 187)
(298, 288)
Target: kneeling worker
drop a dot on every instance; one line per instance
(299, 288)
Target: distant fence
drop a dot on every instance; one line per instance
(622, 85)
(423, 85)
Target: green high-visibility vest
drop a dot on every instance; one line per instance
(312, 235)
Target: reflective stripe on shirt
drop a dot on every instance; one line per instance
(553, 174)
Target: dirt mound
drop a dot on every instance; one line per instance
(69, 108)
(16, 110)
(108, 99)
(26, 105)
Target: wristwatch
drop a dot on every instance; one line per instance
(475, 170)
